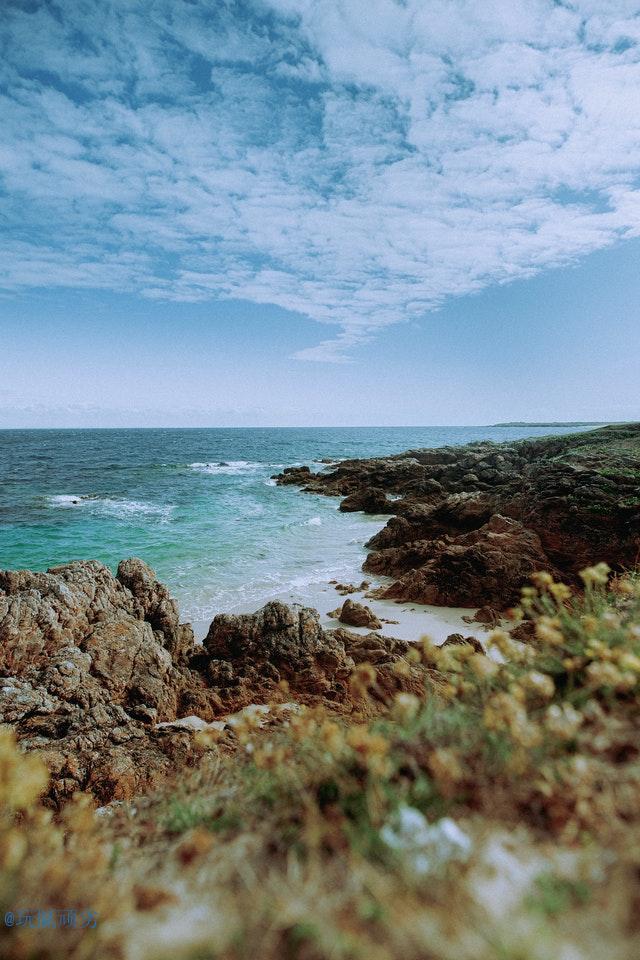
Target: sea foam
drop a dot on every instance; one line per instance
(110, 506)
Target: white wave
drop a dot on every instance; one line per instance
(230, 467)
(66, 500)
(270, 483)
(110, 506)
(313, 522)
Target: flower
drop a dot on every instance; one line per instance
(482, 666)
(331, 737)
(596, 576)
(542, 579)
(371, 748)
(560, 592)
(446, 770)
(405, 707)
(540, 684)
(362, 679)
(548, 631)
(562, 721)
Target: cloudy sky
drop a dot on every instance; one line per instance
(331, 211)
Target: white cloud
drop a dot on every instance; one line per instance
(357, 162)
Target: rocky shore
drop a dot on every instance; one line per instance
(101, 678)
(470, 524)
(96, 672)
(282, 788)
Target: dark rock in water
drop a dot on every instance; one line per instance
(571, 501)
(356, 615)
(293, 475)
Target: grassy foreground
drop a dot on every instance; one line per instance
(497, 818)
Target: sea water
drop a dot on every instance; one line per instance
(198, 505)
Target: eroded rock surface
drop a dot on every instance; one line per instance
(87, 670)
(471, 523)
(250, 654)
(94, 668)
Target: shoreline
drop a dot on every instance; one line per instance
(406, 620)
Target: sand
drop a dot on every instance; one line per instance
(414, 620)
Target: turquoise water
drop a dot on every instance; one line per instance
(198, 505)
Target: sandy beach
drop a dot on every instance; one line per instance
(406, 621)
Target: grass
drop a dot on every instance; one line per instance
(291, 839)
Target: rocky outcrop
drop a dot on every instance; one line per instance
(95, 669)
(356, 615)
(483, 566)
(87, 671)
(247, 656)
(471, 523)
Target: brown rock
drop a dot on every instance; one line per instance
(356, 615)
(372, 500)
(457, 640)
(579, 494)
(86, 670)
(486, 565)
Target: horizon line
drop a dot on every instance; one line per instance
(312, 426)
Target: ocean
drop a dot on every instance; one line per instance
(199, 505)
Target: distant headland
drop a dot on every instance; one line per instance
(554, 423)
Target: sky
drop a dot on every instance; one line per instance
(292, 212)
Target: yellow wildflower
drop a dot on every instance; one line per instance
(548, 631)
(405, 707)
(482, 666)
(596, 576)
(371, 748)
(401, 668)
(446, 770)
(563, 721)
(560, 592)
(542, 579)
(331, 736)
(540, 684)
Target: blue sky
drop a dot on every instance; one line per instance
(319, 211)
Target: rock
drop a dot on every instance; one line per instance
(159, 607)
(87, 668)
(373, 500)
(98, 675)
(486, 615)
(293, 475)
(488, 565)
(576, 499)
(250, 654)
(356, 615)
(346, 588)
(457, 640)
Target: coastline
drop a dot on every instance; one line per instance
(172, 767)
(409, 621)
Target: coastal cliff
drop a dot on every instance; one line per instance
(470, 524)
